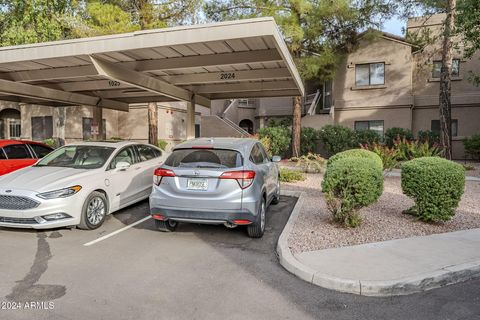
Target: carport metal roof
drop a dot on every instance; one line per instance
(237, 59)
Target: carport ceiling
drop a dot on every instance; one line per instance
(238, 59)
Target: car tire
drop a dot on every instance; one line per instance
(94, 211)
(166, 226)
(276, 197)
(257, 228)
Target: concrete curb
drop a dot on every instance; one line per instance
(403, 286)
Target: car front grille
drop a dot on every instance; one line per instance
(18, 220)
(17, 203)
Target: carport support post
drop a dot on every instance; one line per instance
(191, 118)
(98, 122)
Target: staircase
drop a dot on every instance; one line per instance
(216, 126)
(310, 103)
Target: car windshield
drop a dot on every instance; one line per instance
(77, 157)
(203, 158)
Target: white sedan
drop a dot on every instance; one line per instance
(78, 185)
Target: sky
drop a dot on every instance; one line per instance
(394, 26)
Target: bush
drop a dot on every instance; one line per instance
(408, 150)
(308, 140)
(311, 163)
(289, 175)
(337, 138)
(388, 155)
(472, 146)
(367, 137)
(435, 184)
(162, 144)
(395, 133)
(52, 143)
(279, 137)
(431, 137)
(356, 153)
(351, 183)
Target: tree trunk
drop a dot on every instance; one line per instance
(97, 123)
(152, 123)
(296, 125)
(445, 82)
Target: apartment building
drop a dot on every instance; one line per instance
(32, 122)
(386, 82)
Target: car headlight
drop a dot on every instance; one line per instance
(61, 193)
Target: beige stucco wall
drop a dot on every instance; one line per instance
(392, 117)
(317, 121)
(468, 124)
(397, 90)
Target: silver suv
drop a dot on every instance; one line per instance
(226, 181)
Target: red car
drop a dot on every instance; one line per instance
(17, 154)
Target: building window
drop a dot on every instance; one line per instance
(437, 68)
(371, 74)
(435, 127)
(87, 128)
(247, 103)
(374, 125)
(15, 129)
(42, 128)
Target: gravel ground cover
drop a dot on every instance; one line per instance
(384, 220)
(472, 173)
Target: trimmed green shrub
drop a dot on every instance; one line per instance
(435, 184)
(289, 175)
(308, 140)
(356, 153)
(397, 133)
(367, 137)
(336, 138)
(472, 146)
(351, 183)
(280, 138)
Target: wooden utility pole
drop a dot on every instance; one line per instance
(153, 123)
(296, 125)
(445, 81)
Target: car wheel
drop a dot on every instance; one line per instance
(166, 226)
(94, 211)
(276, 197)
(256, 229)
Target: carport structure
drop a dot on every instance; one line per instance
(197, 64)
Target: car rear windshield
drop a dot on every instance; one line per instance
(77, 157)
(205, 158)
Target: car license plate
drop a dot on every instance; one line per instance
(197, 184)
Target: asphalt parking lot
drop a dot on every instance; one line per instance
(198, 272)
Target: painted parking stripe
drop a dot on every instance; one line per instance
(117, 231)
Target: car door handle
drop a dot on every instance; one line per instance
(138, 168)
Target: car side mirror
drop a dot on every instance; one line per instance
(276, 159)
(122, 166)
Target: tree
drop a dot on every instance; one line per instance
(468, 24)
(30, 21)
(445, 81)
(317, 32)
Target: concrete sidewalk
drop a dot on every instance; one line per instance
(388, 268)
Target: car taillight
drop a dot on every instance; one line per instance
(159, 173)
(244, 177)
